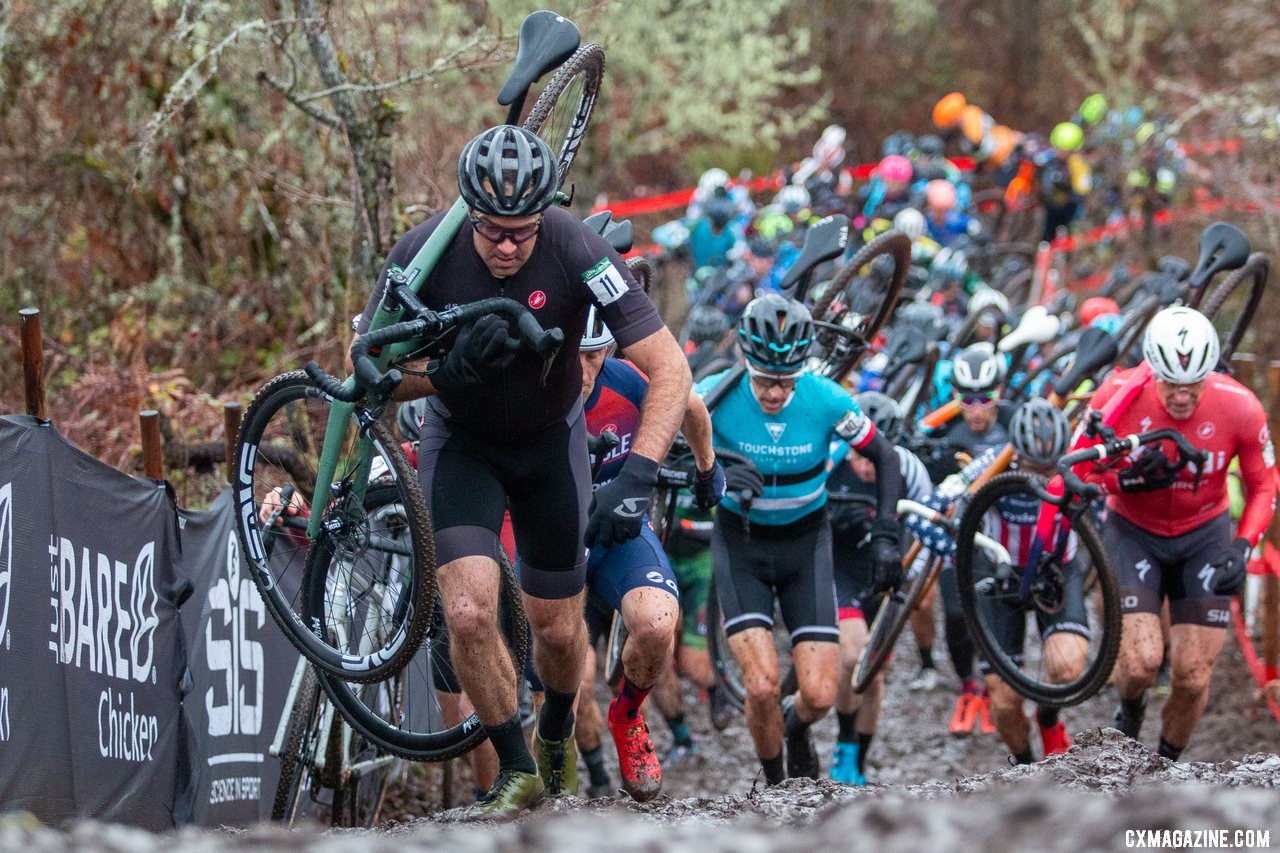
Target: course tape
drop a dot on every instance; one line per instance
(861, 172)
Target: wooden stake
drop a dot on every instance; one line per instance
(231, 415)
(152, 449)
(33, 361)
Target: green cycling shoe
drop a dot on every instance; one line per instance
(558, 765)
(513, 792)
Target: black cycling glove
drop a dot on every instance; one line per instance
(1150, 471)
(1229, 572)
(708, 487)
(851, 520)
(744, 481)
(619, 506)
(886, 555)
(482, 351)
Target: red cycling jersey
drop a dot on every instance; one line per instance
(1229, 422)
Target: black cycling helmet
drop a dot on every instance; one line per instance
(508, 171)
(1039, 432)
(775, 333)
(930, 145)
(898, 142)
(883, 411)
(720, 211)
(707, 324)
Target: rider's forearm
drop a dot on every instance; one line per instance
(659, 357)
(697, 431)
(889, 486)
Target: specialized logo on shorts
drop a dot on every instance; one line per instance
(1143, 566)
(775, 430)
(1206, 429)
(537, 299)
(1206, 575)
(606, 283)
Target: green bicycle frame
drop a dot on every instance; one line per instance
(418, 269)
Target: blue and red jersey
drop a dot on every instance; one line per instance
(615, 405)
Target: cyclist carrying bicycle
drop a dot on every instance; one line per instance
(772, 540)
(977, 378)
(854, 476)
(635, 577)
(1040, 436)
(1168, 528)
(499, 432)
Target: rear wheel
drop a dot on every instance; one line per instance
(1014, 616)
(409, 714)
(561, 113)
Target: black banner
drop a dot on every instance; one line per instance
(241, 667)
(91, 648)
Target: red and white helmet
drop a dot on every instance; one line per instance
(1181, 345)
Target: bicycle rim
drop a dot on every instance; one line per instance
(894, 613)
(988, 605)
(387, 573)
(562, 111)
(613, 650)
(404, 714)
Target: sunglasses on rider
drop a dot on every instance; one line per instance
(978, 399)
(496, 234)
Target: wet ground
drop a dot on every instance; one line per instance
(930, 791)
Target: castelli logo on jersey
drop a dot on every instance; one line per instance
(1205, 429)
(537, 299)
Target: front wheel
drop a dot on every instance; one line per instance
(374, 558)
(1035, 626)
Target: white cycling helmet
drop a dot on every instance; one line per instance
(596, 335)
(977, 368)
(712, 179)
(1181, 345)
(910, 222)
(987, 296)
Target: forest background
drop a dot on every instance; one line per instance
(198, 194)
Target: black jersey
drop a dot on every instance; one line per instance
(571, 267)
(957, 436)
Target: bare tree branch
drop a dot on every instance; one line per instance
(301, 103)
(444, 63)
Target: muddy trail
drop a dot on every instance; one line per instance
(929, 790)
(1096, 797)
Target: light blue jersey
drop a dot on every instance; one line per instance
(792, 448)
